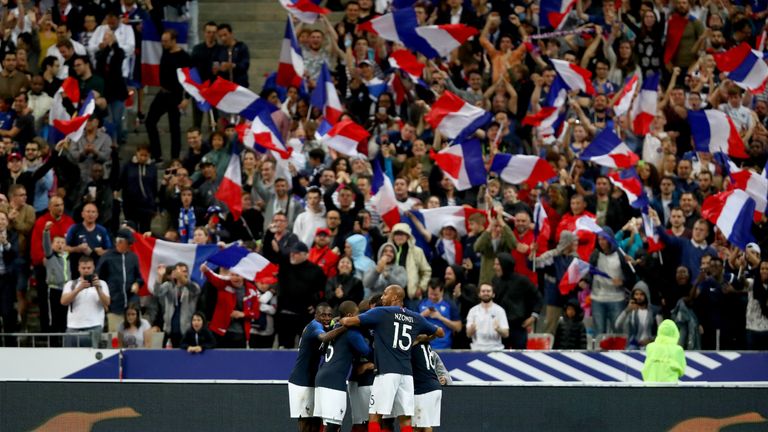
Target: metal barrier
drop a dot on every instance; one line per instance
(50, 340)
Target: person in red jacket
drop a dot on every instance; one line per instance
(568, 223)
(61, 223)
(322, 254)
(523, 253)
(230, 316)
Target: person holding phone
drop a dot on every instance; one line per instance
(87, 299)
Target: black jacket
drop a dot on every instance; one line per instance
(515, 293)
(120, 271)
(301, 286)
(352, 287)
(204, 338)
(109, 64)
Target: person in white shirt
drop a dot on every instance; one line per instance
(62, 34)
(39, 101)
(308, 222)
(487, 322)
(87, 298)
(123, 35)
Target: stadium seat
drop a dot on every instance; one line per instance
(540, 341)
(612, 342)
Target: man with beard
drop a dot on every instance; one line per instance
(487, 322)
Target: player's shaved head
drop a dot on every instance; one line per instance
(348, 308)
(393, 296)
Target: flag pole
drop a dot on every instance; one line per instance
(625, 255)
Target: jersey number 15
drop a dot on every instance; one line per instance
(401, 333)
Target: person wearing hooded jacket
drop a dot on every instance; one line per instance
(357, 244)
(554, 264)
(408, 255)
(345, 285)
(640, 319)
(386, 272)
(664, 358)
(608, 294)
(139, 188)
(520, 299)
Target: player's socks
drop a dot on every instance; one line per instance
(374, 427)
(322, 428)
(408, 428)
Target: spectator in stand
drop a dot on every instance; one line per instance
(177, 296)
(233, 59)
(497, 238)
(67, 14)
(113, 59)
(278, 240)
(139, 186)
(198, 338)
(119, 268)
(520, 299)
(487, 322)
(89, 81)
(87, 298)
(568, 223)
(322, 254)
(301, 287)
(111, 33)
(9, 252)
(23, 128)
(571, 333)
(263, 328)
(11, 81)
(386, 272)
(640, 319)
(345, 285)
(410, 256)
(757, 309)
(230, 315)
(308, 222)
(441, 312)
(351, 201)
(608, 294)
(282, 201)
(39, 101)
(134, 331)
(93, 147)
(204, 56)
(56, 273)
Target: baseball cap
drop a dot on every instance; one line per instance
(205, 161)
(14, 155)
(323, 231)
(299, 248)
(753, 247)
(366, 62)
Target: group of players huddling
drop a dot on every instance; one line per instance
(396, 385)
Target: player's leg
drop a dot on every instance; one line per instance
(388, 424)
(383, 394)
(404, 406)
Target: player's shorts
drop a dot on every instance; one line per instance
(301, 401)
(392, 394)
(330, 404)
(427, 412)
(359, 400)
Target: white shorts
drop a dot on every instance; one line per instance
(301, 401)
(330, 405)
(359, 401)
(427, 409)
(392, 394)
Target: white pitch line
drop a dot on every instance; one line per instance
(603, 368)
(561, 367)
(523, 367)
(463, 376)
(493, 371)
(703, 360)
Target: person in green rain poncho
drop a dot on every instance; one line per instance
(665, 358)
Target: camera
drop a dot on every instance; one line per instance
(88, 278)
(170, 171)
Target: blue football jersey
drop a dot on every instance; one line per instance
(395, 329)
(337, 360)
(308, 360)
(424, 373)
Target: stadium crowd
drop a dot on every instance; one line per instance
(70, 210)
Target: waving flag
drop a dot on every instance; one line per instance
(384, 195)
(646, 102)
(396, 87)
(230, 189)
(435, 219)
(324, 96)
(189, 78)
(455, 118)
(305, 10)
(516, 169)
(713, 131)
(552, 13)
(732, 213)
(68, 94)
(551, 116)
(587, 224)
(675, 28)
(629, 182)
(74, 127)
(744, 66)
(444, 38)
(290, 70)
(624, 100)
(235, 99)
(376, 86)
(462, 163)
(152, 48)
(243, 262)
(541, 225)
(577, 271)
(756, 186)
(346, 136)
(398, 26)
(154, 252)
(575, 77)
(609, 150)
(407, 62)
(265, 136)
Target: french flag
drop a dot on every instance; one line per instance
(552, 13)
(444, 38)
(756, 186)
(713, 131)
(628, 181)
(398, 26)
(395, 85)
(587, 224)
(235, 99)
(407, 62)
(546, 121)
(290, 70)
(189, 78)
(230, 188)
(517, 169)
(152, 48)
(732, 212)
(154, 252)
(324, 96)
(455, 118)
(305, 10)
(74, 127)
(744, 66)
(541, 225)
(345, 137)
(577, 271)
(265, 136)
(243, 262)
(624, 99)
(608, 150)
(462, 163)
(435, 219)
(644, 107)
(70, 90)
(376, 87)
(575, 77)
(384, 195)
